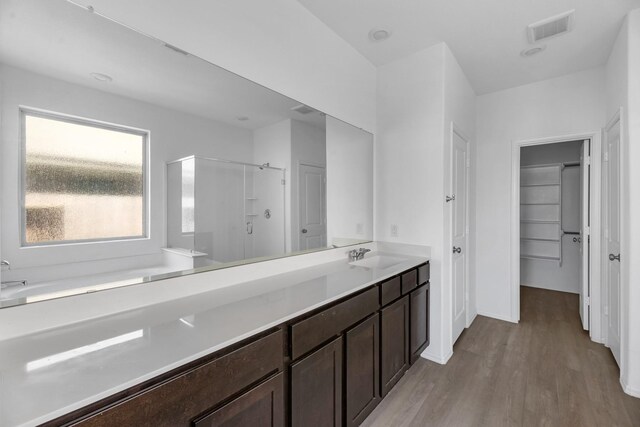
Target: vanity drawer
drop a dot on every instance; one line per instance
(409, 281)
(390, 290)
(424, 273)
(313, 331)
(177, 401)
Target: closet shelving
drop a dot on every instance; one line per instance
(540, 212)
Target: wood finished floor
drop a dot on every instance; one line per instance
(544, 371)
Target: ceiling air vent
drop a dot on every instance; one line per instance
(550, 27)
(303, 109)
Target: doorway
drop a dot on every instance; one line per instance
(458, 201)
(612, 293)
(537, 225)
(312, 207)
(554, 220)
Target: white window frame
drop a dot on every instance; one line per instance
(51, 115)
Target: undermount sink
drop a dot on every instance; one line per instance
(378, 261)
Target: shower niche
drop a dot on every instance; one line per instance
(220, 211)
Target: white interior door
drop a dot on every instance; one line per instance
(611, 211)
(459, 233)
(585, 168)
(312, 211)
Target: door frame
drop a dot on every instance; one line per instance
(469, 315)
(618, 117)
(595, 324)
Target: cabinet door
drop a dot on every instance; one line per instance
(394, 344)
(261, 406)
(362, 370)
(419, 321)
(316, 387)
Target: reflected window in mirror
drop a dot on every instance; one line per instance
(77, 175)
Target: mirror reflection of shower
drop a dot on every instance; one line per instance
(222, 211)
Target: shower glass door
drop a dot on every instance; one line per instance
(225, 211)
(264, 211)
(219, 225)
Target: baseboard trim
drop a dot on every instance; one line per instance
(631, 391)
(496, 316)
(442, 360)
(473, 317)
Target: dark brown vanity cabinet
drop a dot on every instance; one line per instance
(330, 367)
(316, 387)
(183, 397)
(420, 299)
(394, 343)
(419, 327)
(339, 381)
(362, 361)
(260, 406)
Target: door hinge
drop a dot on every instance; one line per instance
(587, 300)
(587, 161)
(605, 156)
(605, 310)
(283, 182)
(587, 230)
(468, 162)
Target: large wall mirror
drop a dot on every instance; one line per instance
(125, 160)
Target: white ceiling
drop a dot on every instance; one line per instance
(58, 39)
(486, 36)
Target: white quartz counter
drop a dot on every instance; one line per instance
(48, 374)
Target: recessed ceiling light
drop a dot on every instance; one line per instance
(102, 77)
(532, 51)
(242, 118)
(379, 34)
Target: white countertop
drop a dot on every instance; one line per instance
(48, 374)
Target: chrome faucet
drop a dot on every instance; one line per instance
(356, 254)
(5, 263)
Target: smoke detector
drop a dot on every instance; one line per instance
(533, 50)
(550, 27)
(379, 34)
(303, 109)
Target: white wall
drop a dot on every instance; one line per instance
(623, 90)
(632, 251)
(460, 109)
(349, 183)
(418, 98)
(277, 43)
(173, 135)
(409, 153)
(560, 106)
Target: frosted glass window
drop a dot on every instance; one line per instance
(82, 180)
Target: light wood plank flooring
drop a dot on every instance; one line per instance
(544, 371)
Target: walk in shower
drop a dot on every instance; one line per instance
(223, 211)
